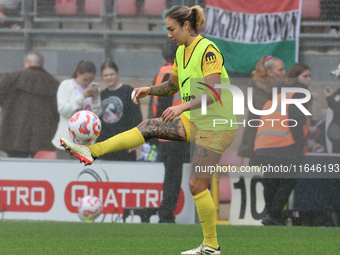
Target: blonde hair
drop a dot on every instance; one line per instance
(194, 15)
(260, 76)
(263, 65)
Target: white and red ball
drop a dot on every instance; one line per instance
(90, 208)
(84, 127)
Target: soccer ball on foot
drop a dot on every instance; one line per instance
(90, 208)
(84, 127)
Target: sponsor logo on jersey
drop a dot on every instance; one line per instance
(210, 58)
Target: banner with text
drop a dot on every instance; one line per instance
(245, 31)
(32, 189)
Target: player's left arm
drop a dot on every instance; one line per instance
(212, 65)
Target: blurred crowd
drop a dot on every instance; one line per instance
(34, 84)
(275, 144)
(36, 107)
(270, 73)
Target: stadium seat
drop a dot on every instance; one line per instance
(310, 9)
(228, 158)
(224, 188)
(144, 212)
(126, 7)
(65, 7)
(231, 158)
(154, 7)
(46, 155)
(92, 7)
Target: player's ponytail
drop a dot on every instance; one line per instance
(194, 15)
(197, 13)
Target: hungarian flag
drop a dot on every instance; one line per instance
(245, 31)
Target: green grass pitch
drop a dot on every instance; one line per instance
(46, 237)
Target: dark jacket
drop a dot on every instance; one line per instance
(261, 92)
(28, 110)
(335, 106)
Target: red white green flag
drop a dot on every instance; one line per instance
(246, 30)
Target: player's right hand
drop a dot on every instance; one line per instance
(139, 93)
(328, 91)
(90, 92)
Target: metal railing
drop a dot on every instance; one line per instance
(28, 34)
(19, 18)
(322, 23)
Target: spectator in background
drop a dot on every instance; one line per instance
(119, 113)
(29, 108)
(278, 145)
(267, 74)
(300, 73)
(333, 117)
(9, 8)
(73, 95)
(172, 153)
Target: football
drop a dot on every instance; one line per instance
(84, 127)
(90, 208)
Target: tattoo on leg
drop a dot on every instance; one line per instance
(157, 128)
(200, 154)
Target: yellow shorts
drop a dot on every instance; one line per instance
(216, 140)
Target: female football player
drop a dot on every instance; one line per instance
(198, 66)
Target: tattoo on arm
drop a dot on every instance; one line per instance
(166, 88)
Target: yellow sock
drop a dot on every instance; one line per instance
(123, 141)
(207, 214)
